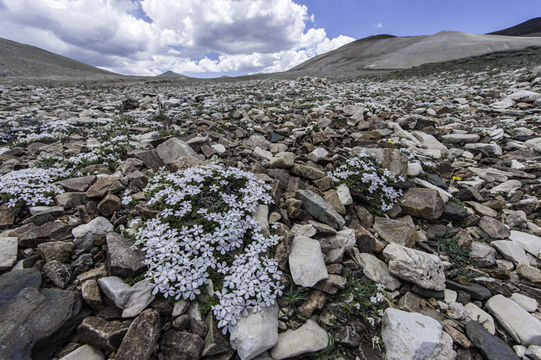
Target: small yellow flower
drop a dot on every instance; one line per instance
(390, 141)
(457, 178)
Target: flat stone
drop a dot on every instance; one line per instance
(91, 294)
(85, 352)
(423, 203)
(527, 303)
(308, 338)
(141, 338)
(318, 154)
(102, 185)
(8, 252)
(316, 206)
(306, 262)
(282, 160)
(7, 215)
(522, 326)
(11, 283)
(103, 334)
(78, 184)
(109, 205)
(482, 317)
(84, 235)
(336, 245)
(482, 254)
(255, 333)
(70, 200)
(506, 187)
(530, 273)
(511, 251)
(58, 273)
(377, 271)
(492, 347)
(476, 291)
(124, 259)
(461, 138)
(489, 149)
(37, 322)
(131, 299)
(56, 250)
(494, 228)
(181, 345)
(344, 194)
(528, 242)
(216, 343)
(418, 267)
(394, 231)
(412, 336)
(307, 171)
(174, 148)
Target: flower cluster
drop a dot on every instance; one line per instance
(206, 234)
(366, 299)
(365, 177)
(34, 186)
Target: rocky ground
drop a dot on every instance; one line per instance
(435, 257)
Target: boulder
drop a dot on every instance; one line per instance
(308, 338)
(423, 203)
(141, 338)
(306, 262)
(181, 345)
(124, 259)
(395, 231)
(103, 334)
(174, 148)
(84, 235)
(316, 206)
(492, 347)
(131, 299)
(8, 252)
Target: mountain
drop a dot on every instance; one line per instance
(531, 27)
(391, 52)
(24, 61)
(171, 75)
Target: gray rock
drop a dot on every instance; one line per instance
(494, 228)
(306, 262)
(124, 259)
(482, 254)
(282, 160)
(78, 184)
(85, 352)
(174, 148)
(262, 219)
(56, 250)
(181, 345)
(461, 138)
(394, 231)
(141, 338)
(103, 334)
(412, 336)
(91, 294)
(527, 303)
(8, 252)
(488, 149)
(316, 206)
(418, 267)
(377, 271)
(318, 154)
(132, 300)
(392, 159)
(37, 322)
(308, 338)
(335, 246)
(11, 283)
(423, 203)
(58, 273)
(528, 242)
(492, 347)
(475, 313)
(511, 251)
(84, 235)
(255, 333)
(522, 326)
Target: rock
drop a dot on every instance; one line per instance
(308, 338)
(102, 185)
(344, 195)
(308, 172)
(141, 338)
(84, 235)
(418, 267)
(494, 228)
(316, 206)
(332, 284)
(423, 203)
(174, 148)
(454, 211)
(482, 317)
(528, 242)
(282, 160)
(488, 149)
(132, 300)
(392, 159)
(216, 342)
(58, 273)
(262, 218)
(318, 154)
(37, 322)
(531, 273)
(255, 333)
(124, 259)
(491, 347)
(11, 283)
(461, 138)
(526, 302)
(103, 334)
(511, 251)
(348, 336)
(56, 250)
(306, 262)
(377, 271)
(414, 169)
(85, 352)
(522, 327)
(394, 231)
(262, 154)
(476, 291)
(482, 254)
(78, 184)
(506, 187)
(412, 336)
(91, 294)
(256, 140)
(181, 345)
(71, 200)
(109, 205)
(8, 252)
(335, 246)
(534, 144)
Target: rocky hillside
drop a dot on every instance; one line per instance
(531, 27)
(24, 61)
(394, 217)
(389, 52)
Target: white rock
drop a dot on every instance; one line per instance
(534, 144)
(132, 300)
(262, 154)
(413, 336)
(174, 148)
(85, 352)
(219, 148)
(458, 138)
(255, 333)
(522, 326)
(414, 169)
(262, 219)
(511, 251)
(318, 154)
(534, 352)
(445, 196)
(344, 195)
(456, 311)
(429, 141)
(528, 242)
(475, 313)
(335, 246)
(8, 252)
(306, 262)
(520, 350)
(506, 187)
(308, 338)
(490, 149)
(449, 296)
(376, 270)
(307, 230)
(526, 302)
(418, 267)
(85, 234)
(524, 95)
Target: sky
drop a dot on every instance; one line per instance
(208, 38)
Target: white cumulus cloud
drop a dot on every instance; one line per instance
(147, 37)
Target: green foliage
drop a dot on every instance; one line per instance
(329, 353)
(458, 255)
(134, 280)
(293, 296)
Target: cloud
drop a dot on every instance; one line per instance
(151, 36)
(378, 26)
